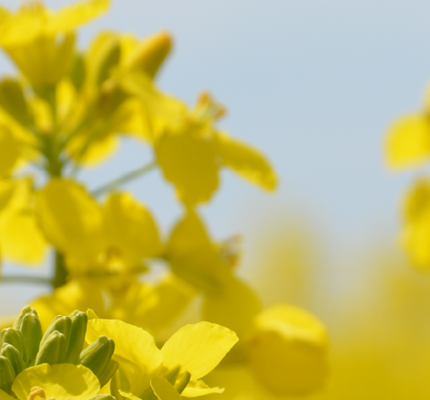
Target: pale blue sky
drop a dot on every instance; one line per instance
(313, 83)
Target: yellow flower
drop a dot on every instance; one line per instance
(187, 356)
(40, 41)
(117, 235)
(60, 382)
(191, 151)
(151, 306)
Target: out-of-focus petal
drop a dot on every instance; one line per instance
(70, 219)
(408, 142)
(288, 352)
(245, 160)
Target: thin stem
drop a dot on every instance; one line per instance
(129, 176)
(25, 279)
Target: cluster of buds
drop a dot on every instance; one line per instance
(24, 346)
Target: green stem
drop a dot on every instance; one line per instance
(25, 279)
(60, 276)
(129, 176)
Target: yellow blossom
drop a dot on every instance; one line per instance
(41, 41)
(187, 356)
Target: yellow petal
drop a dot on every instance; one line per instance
(78, 294)
(60, 381)
(152, 307)
(408, 142)
(9, 151)
(70, 219)
(235, 305)
(77, 14)
(248, 162)
(199, 388)
(189, 162)
(135, 350)
(130, 228)
(288, 353)
(29, 249)
(198, 348)
(192, 255)
(164, 389)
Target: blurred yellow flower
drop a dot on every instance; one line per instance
(41, 42)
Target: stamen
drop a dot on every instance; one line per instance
(36, 392)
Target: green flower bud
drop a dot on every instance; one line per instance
(29, 325)
(32, 332)
(97, 355)
(16, 339)
(13, 102)
(53, 350)
(77, 336)
(14, 356)
(18, 322)
(106, 58)
(106, 375)
(60, 324)
(7, 375)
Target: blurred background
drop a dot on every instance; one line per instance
(314, 84)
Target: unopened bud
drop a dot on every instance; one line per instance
(28, 324)
(77, 336)
(107, 57)
(149, 54)
(53, 350)
(14, 356)
(13, 102)
(106, 375)
(97, 355)
(60, 324)
(15, 338)
(7, 375)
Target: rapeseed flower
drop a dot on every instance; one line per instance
(176, 369)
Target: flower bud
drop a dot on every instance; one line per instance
(7, 375)
(14, 357)
(77, 336)
(12, 101)
(106, 375)
(60, 324)
(15, 338)
(28, 324)
(97, 355)
(53, 350)
(107, 57)
(149, 54)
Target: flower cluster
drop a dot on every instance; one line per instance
(68, 109)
